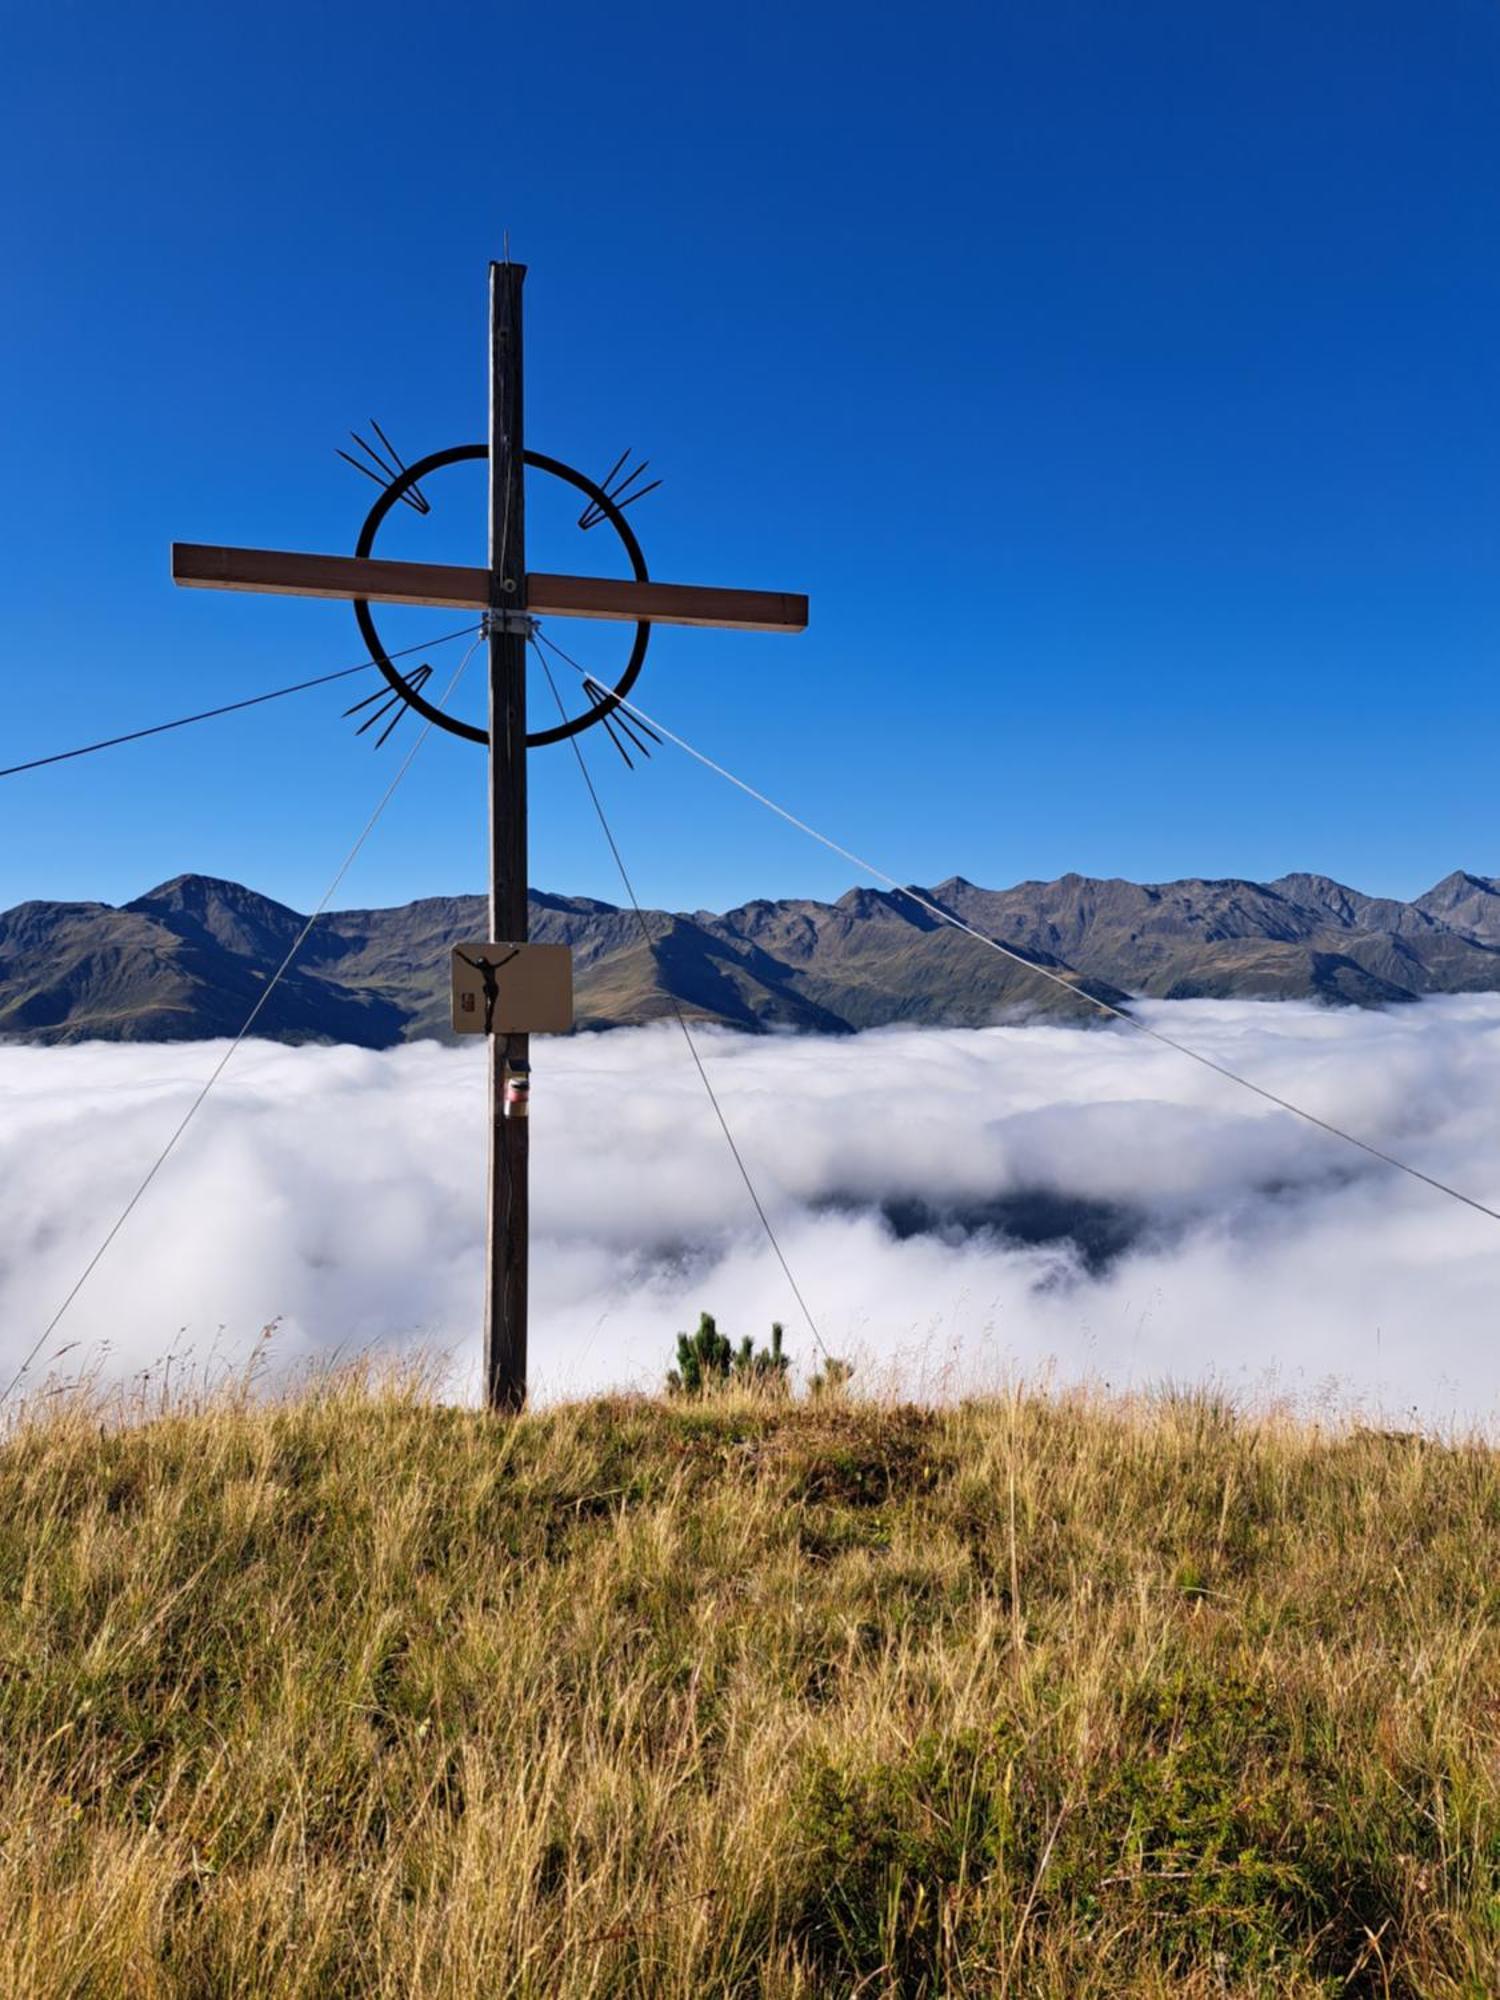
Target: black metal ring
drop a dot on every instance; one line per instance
(455, 455)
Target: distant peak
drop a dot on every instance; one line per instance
(197, 888)
(860, 899)
(200, 896)
(1304, 879)
(1461, 880)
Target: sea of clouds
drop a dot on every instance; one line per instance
(959, 1207)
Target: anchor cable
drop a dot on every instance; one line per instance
(687, 1033)
(1019, 958)
(229, 707)
(250, 1019)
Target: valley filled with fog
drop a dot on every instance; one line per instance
(959, 1206)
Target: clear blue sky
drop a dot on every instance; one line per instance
(1121, 382)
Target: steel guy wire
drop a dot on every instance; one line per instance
(229, 707)
(1044, 972)
(687, 1033)
(251, 1018)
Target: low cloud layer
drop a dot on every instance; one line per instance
(957, 1206)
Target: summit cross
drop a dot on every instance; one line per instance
(509, 597)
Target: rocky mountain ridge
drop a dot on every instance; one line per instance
(189, 959)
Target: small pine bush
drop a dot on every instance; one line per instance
(831, 1377)
(708, 1360)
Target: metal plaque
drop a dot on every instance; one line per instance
(512, 989)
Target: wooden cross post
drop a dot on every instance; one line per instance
(508, 1227)
(509, 596)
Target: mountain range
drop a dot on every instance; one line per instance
(190, 958)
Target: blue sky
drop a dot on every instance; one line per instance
(1120, 382)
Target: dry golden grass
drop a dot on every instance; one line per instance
(353, 1694)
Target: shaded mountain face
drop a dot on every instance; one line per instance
(191, 958)
(1467, 903)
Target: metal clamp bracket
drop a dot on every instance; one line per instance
(519, 622)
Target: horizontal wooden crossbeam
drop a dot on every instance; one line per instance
(665, 603)
(285, 573)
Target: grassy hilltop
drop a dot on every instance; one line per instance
(359, 1695)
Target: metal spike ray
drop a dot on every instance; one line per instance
(388, 700)
(632, 725)
(385, 735)
(384, 471)
(616, 486)
(381, 695)
(424, 505)
(609, 730)
(621, 729)
(635, 731)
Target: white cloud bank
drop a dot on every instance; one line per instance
(956, 1205)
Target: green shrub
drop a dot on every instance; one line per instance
(831, 1377)
(890, 1849)
(708, 1360)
